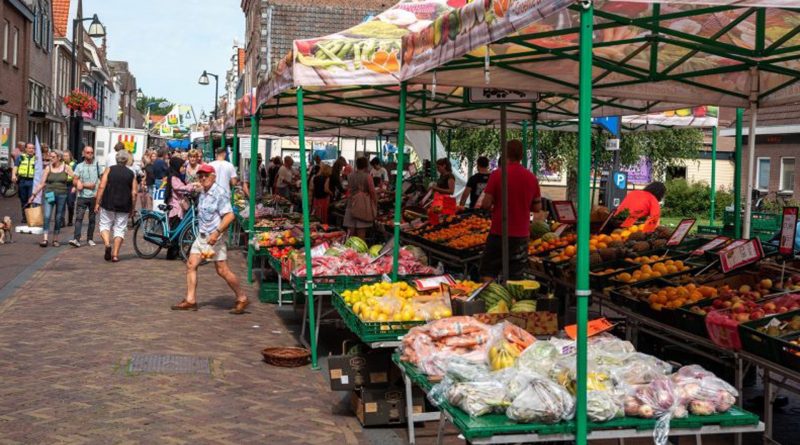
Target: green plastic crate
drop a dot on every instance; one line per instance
(268, 293)
(709, 230)
(371, 332)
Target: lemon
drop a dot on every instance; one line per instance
(382, 317)
(446, 313)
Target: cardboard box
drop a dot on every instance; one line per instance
(372, 369)
(386, 406)
(536, 323)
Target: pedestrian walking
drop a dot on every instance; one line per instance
(149, 180)
(177, 195)
(192, 164)
(70, 213)
(225, 171)
(115, 198)
(214, 215)
(284, 181)
(55, 183)
(362, 201)
(86, 182)
(22, 173)
(321, 191)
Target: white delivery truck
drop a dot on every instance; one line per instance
(134, 140)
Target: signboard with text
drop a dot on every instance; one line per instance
(680, 232)
(747, 253)
(565, 212)
(788, 231)
(711, 245)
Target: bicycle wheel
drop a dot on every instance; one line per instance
(10, 190)
(186, 240)
(149, 228)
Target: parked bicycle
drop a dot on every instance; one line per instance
(153, 233)
(7, 187)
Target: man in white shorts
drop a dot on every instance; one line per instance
(214, 215)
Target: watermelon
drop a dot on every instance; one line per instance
(356, 244)
(539, 228)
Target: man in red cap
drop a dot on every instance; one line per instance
(214, 215)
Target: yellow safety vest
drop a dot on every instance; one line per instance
(27, 166)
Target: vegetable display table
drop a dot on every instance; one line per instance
(497, 428)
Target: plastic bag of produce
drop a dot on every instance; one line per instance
(606, 343)
(460, 369)
(542, 401)
(516, 380)
(703, 392)
(508, 342)
(539, 357)
(477, 398)
(639, 369)
(603, 406)
(658, 399)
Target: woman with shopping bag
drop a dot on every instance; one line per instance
(55, 183)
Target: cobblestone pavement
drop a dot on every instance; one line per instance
(67, 335)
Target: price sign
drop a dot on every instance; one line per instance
(733, 245)
(747, 253)
(565, 212)
(713, 244)
(680, 232)
(319, 250)
(561, 229)
(432, 283)
(788, 230)
(593, 328)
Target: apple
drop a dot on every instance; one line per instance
(770, 307)
(738, 307)
(744, 288)
(726, 304)
(783, 309)
(742, 317)
(766, 283)
(756, 314)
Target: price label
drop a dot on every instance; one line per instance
(565, 212)
(561, 229)
(713, 244)
(432, 283)
(319, 250)
(680, 232)
(733, 245)
(594, 327)
(788, 230)
(747, 253)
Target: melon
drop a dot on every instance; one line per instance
(539, 228)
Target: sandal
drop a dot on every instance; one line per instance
(115, 259)
(43, 244)
(56, 243)
(107, 255)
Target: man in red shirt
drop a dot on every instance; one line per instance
(643, 204)
(524, 197)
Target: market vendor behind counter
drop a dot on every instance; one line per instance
(525, 199)
(643, 204)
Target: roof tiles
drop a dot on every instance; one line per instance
(60, 17)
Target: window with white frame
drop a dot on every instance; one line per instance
(787, 174)
(15, 42)
(762, 174)
(6, 29)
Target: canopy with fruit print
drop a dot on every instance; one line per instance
(647, 58)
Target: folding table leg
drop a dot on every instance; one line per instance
(409, 409)
(440, 431)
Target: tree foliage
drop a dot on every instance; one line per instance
(558, 150)
(143, 102)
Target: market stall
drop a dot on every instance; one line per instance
(622, 82)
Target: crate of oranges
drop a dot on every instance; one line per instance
(647, 272)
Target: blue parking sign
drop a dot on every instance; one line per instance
(620, 180)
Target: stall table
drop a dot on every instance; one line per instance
(498, 429)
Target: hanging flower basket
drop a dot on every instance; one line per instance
(81, 102)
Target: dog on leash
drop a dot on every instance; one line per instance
(6, 229)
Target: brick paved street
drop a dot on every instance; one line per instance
(67, 334)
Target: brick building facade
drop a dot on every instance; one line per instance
(16, 20)
(41, 103)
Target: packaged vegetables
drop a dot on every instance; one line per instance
(495, 369)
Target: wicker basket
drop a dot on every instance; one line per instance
(286, 357)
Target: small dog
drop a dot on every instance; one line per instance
(6, 230)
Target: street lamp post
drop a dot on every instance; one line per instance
(96, 31)
(203, 80)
